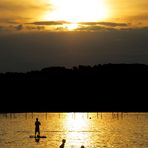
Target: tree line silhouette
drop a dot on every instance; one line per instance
(106, 71)
(108, 86)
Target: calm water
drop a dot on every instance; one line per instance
(128, 130)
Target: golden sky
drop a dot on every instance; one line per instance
(41, 33)
(67, 13)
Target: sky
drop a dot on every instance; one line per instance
(41, 33)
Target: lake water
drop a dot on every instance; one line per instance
(93, 130)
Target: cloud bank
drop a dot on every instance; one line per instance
(35, 50)
(22, 11)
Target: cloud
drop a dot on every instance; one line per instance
(136, 20)
(9, 5)
(18, 11)
(101, 26)
(58, 26)
(50, 23)
(142, 17)
(111, 24)
(139, 18)
(83, 26)
(35, 28)
(91, 28)
(25, 51)
(9, 20)
(19, 27)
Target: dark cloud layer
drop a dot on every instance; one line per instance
(111, 24)
(83, 26)
(35, 50)
(59, 26)
(50, 23)
(21, 28)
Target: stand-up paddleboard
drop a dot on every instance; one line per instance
(37, 136)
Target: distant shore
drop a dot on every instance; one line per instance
(108, 87)
(57, 70)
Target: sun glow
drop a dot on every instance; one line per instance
(71, 26)
(78, 11)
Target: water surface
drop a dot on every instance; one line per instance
(93, 130)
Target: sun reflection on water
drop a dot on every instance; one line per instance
(93, 130)
(77, 127)
(76, 122)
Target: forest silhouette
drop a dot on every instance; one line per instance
(84, 86)
(81, 72)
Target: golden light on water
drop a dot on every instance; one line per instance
(93, 130)
(76, 122)
(75, 11)
(77, 125)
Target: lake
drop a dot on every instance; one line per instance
(93, 130)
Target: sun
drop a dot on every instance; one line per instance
(78, 10)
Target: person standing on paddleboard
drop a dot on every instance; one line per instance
(37, 127)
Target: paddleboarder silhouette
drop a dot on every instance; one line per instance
(37, 127)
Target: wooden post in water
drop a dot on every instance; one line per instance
(122, 114)
(97, 115)
(26, 116)
(5, 115)
(101, 115)
(137, 116)
(46, 115)
(32, 115)
(118, 115)
(14, 115)
(87, 115)
(113, 115)
(10, 115)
